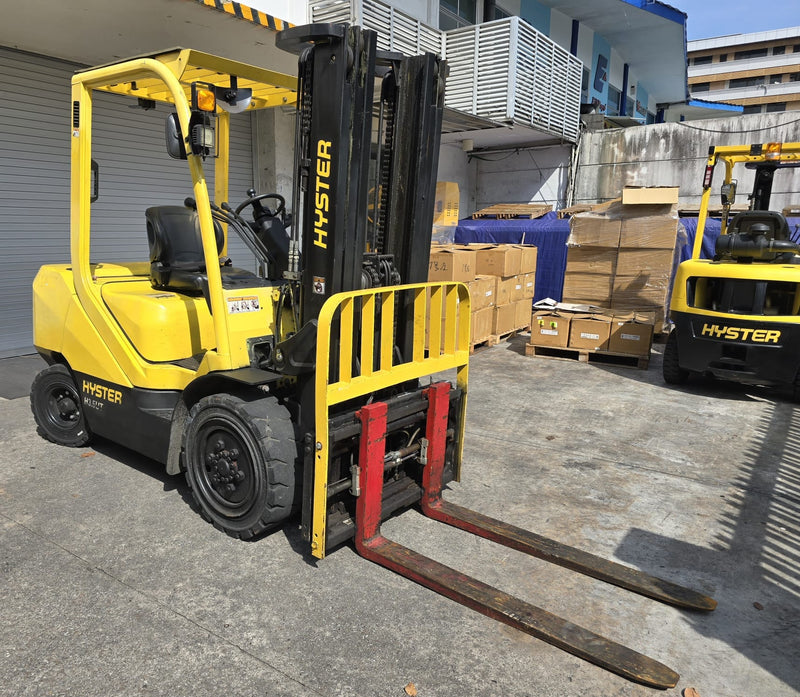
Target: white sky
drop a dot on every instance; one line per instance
(709, 18)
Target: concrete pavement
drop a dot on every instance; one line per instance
(111, 584)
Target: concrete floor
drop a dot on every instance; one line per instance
(110, 584)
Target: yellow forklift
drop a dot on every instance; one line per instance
(299, 380)
(736, 315)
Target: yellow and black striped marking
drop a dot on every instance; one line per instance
(246, 13)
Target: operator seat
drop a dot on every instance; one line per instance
(176, 253)
(743, 222)
(176, 249)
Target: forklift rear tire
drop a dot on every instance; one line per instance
(671, 369)
(240, 457)
(56, 407)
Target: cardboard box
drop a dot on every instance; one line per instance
(451, 264)
(656, 262)
(504, 318)
(632, 334)
(528, 259)
(550, 328)
(600, 260)
(651, 227)
(445, 207)
(506, 287)
(597, 228)
(481, 324)
(589, 331)
(592, 287)
(482, 292)
(529, 285)
(522, 314)
(499, 259)
(637, 195)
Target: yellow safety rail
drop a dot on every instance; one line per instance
(440, 341)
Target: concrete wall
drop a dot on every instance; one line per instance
(532, 175)
(674, 154)
(454, 166)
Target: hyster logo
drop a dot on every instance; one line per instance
(321, 197)
(102, 392)
(759, 336)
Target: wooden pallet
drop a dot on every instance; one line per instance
(494, 339)
(502, 211)
(589, 356)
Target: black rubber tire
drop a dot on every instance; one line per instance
(56, 407)
(240, 458)
(671, 369)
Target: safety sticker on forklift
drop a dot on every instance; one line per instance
(319, 285)
(247, 304)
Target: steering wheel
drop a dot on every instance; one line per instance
(260, 197)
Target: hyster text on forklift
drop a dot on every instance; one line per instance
(298, 380)
(737, 316)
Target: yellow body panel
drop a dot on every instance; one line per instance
(705, 268)
(449, 349)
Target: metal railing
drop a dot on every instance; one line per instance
(506, 70)
(503, 70)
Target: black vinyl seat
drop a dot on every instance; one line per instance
(177, 262)
(743, 222)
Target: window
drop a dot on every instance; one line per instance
(775, 79)
(702, 60)
(612, 108)
(796, 48)
(776, 107)
(752, 53)
(700, 87)
(456, 13)
(794, 77)
(723, 57)
(495, 12)
(746, 82)
(752, 109)
(630, 107)
(778, 50)
(585, 85)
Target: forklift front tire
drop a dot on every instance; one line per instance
(671, 369)
(240, 463)
(56, 407)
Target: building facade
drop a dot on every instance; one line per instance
(759, 71)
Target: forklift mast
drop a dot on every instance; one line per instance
(364, 196)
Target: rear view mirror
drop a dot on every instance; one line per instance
(172, 132)
(728, 192)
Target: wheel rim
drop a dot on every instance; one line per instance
(224, 468)
(63, 410)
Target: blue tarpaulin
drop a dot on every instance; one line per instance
(549, 233)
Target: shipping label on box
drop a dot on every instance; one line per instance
(528, 258)
(451, 264)
(529, 285)
(590, 332)
(550, 328)
(632, 334)
(482, 292)
(481, 324)
(499, 260)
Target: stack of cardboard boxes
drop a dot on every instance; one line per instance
(501, 282)
(622, 254)
(615, 332)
